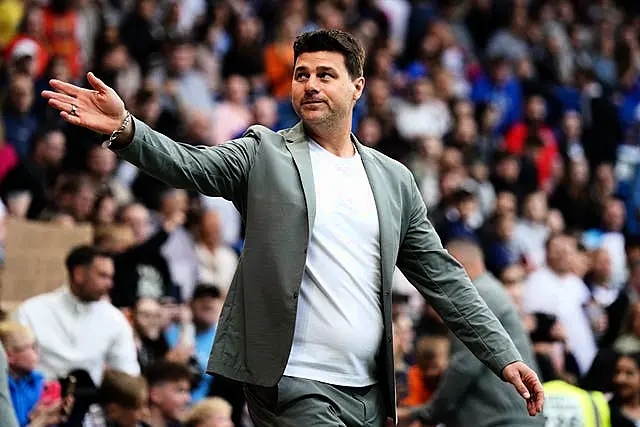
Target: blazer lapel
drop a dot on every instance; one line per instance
(298, 146)
(377, 182)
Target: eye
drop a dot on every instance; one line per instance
(301, 75)
(324, 76)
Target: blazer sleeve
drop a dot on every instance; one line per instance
(219, 171)
(7, 413)
(447, 288)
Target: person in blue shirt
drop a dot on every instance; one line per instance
(206, 304)
(26, 385)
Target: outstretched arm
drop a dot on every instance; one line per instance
(446, 286)
(214, 171)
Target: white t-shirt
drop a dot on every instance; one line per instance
(339, 322)
(563, 296)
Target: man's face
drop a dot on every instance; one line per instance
(172, 399)
(512, 278)
(22, 353)
(94, 281)
(21, 94)
(559, 254)
(206, 311)
(322, 90)
(54, 148)
(148, 318)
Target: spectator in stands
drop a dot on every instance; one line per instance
(20, 123)
(432, 359)
(627, 381)
(468, 394)
(25, 383)
(403, 337)
(151, 342)
(178, 250)
(206, 304)
(123, 402)
(37, 173)
(553, 289)
(629, 340)
(532, 232)
(233, 113)
(101, 166)
(75, 327)
(217, 262)
(212, 412)
(73, 200)
(140, 269)
(169, 385)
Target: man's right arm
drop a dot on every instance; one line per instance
(221, 171)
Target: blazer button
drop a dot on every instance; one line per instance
(387, 292)
(295, 294)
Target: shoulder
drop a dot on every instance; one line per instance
(110, 313)
(38, 303)
(393, 168)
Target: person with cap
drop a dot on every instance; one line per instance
(306, 326)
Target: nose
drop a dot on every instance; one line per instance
(311, 85)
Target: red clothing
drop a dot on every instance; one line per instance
(21, 43)
(8, 159)
(61, 34)
(419, 393)
(514, 143)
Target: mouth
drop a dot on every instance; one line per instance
(312, 102)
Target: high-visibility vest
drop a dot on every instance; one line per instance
(568, 406)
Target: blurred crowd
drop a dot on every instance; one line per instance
(520, 120)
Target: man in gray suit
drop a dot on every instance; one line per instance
(306, 325)
(469, 393)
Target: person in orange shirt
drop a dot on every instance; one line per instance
(278, 57)
(432, 359)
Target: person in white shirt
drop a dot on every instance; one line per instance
(554, 289)
(75, 326)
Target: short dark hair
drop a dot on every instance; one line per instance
(122, 389)
(205, 290)
(331, 40)
(83, 256)
(165, 371)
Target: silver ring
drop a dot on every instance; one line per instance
(74, 110)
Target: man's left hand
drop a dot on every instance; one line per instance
(527, 384)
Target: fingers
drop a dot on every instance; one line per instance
(66, 88)
(97, 83)
(74, 120)
(60, 105)
(48, 94)
(521, 388)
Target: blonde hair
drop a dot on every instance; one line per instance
(10, 331)
(206, 408)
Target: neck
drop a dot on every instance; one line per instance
(156, 418)
(201, 327)
(335, 138)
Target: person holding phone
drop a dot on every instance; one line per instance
(34, 401)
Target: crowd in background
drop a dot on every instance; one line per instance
(520, 120)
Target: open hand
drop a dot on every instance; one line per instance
(527, 384)
(100, 110)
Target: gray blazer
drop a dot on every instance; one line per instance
(469, 394)
(268, 177)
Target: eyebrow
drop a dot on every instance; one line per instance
(320, 69)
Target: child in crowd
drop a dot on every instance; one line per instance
(123, 402)
(432, 360)
(169, 392)
(25, 383)
(211, 412)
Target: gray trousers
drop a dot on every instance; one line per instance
(297, 402)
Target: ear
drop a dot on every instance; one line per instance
(359, 86)
(154, 396)
(78, 274)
